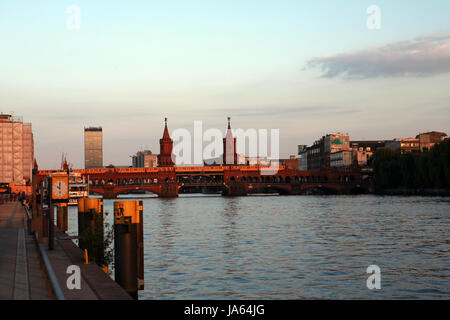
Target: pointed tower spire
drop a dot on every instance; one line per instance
(229, 147)
(165, 148)
(166, 134)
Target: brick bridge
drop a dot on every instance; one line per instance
(167, 180)
(231, 180)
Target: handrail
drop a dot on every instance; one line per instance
(48, 266)
(50, 272)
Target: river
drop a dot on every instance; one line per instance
(293, 247)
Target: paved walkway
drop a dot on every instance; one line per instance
(95, 284)
(21, 275)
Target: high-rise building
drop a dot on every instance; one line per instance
(93, 147)
(16, 153)
(145, 159)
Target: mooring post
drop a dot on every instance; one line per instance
(90, 228)
(129, 246)
(44, 217)
(51, 220)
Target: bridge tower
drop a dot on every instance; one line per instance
(167, 178)
(229, 147)
(165, 149)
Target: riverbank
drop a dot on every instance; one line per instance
(30, 271)
(21, 274)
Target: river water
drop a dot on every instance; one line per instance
(294, 247)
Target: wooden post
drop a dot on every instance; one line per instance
(129, 246)
(90, 228)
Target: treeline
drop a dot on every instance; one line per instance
(414, 171)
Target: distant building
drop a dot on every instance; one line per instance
(291, 163)
(405, 145)
(363, 150)
(93, 147)
(361, 156)
(16, 153)
(429, 139)
(260, 161)
(367, 145)
(341, 159)
(144, 159)
(336, 142)
(302, 158)
(318, 155)
(301, 148)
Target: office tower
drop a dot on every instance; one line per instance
(93, 147)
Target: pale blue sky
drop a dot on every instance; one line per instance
(132, 63)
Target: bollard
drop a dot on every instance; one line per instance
(45, 216)
(59, 222)
(62, 221)
(90, 228)
(129, 246)
(37, 215)
(65, 217)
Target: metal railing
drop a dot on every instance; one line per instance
(57, 290)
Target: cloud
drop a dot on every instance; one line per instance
(423, 56)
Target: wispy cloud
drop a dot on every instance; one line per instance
(423, 56)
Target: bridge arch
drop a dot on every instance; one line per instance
(130, 190)
(273, 188)
(321, 189)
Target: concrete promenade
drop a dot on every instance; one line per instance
(23, 275)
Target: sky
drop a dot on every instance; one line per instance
(307, 68)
